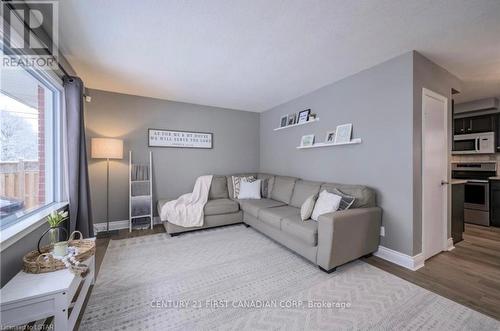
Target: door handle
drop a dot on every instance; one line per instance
(477, 144)
(444, 182)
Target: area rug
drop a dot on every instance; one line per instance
(234, 278)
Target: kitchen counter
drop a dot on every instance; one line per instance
(458, 181)
(472, 161)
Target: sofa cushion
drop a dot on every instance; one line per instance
(365, 196)
(283, 188)
(254, 206)
(269, 180)
(303, 189)
(218, 188)
(273, 216)
(221, 206)
(229, 180)
(306, 232)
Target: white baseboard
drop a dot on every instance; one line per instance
(410, 262)
(450, 245)
(119, 225)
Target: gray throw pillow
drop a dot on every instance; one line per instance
(346, 201)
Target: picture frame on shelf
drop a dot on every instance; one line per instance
(343, 133)
(330, 137)
(304, 116)
(283, 121)
(307, 140)
(292, 118)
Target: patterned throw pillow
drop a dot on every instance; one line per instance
(237, 182)
(264, 188)
(307, 207)
(346, 201)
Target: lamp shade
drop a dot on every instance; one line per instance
(107, 148)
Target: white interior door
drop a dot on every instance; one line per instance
(434, 173)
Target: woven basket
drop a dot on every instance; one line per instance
(36, 263)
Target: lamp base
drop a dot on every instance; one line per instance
(106, 234)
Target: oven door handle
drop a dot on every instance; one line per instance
(477, 181)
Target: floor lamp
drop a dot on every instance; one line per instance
(107, 148)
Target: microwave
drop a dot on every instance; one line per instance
(474, 143)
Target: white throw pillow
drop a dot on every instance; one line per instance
(307, 207)
(326, 203)
(249, 190)
(236, 184)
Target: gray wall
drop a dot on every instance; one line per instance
(12, 256)
(384, 103)
(426, 74)
(236, 146)
(379, 103)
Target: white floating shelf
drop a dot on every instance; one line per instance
(298, 124)
(352, 142)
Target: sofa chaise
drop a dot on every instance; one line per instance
(336, 238)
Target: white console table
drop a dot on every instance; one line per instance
(30, 297)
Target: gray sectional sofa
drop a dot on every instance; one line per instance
(336, 238)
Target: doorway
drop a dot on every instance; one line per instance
(434, 173)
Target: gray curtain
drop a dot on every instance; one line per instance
(80, 212)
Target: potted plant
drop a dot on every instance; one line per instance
(55, 231)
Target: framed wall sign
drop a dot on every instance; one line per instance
(179, 139)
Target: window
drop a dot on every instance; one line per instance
(29, 144)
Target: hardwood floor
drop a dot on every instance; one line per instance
(469, 274)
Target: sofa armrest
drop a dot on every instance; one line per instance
(346, 235)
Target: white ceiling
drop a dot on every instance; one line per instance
(254, 55)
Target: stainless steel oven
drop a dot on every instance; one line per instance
(477, 189)
(477, 195)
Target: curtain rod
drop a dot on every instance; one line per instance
(27, 27)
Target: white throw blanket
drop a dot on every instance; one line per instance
(187, 211)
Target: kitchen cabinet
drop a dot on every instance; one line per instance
(495, 203)
(475, 124)
(484, 123)
(457, 212)
(459, 126)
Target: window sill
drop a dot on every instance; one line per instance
(17, 231)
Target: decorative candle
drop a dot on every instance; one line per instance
(60, 248)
